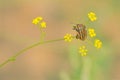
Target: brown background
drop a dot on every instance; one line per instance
(46, 61)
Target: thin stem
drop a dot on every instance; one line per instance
(12, 58)
(5, 62)
(42, 35)
(87, 64)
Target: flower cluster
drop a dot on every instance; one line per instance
(98, 43)
(81, 34)
(68, 37)
(91, 32)
(83, 51)
(92, 16)
(39, 21)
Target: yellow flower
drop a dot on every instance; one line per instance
(91, 32)
(37, 20)
(98, 43)
(68, 37)
(43, 24)
(92, 16)
(83, 51)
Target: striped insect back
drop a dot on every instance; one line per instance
(81, 31)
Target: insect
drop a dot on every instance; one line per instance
(81, 31)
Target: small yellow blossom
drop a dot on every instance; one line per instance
(83, 51)
(92, 16)
(43, 24)
(37, 20)
(68, 37)
(91, 32)
(98, 43)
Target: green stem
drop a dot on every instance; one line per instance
(25, 49)
(87, 64)
(42, 35)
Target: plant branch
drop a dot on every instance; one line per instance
(12, 58)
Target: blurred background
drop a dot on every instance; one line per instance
(59, 60)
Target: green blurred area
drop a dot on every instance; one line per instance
(60, 60)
